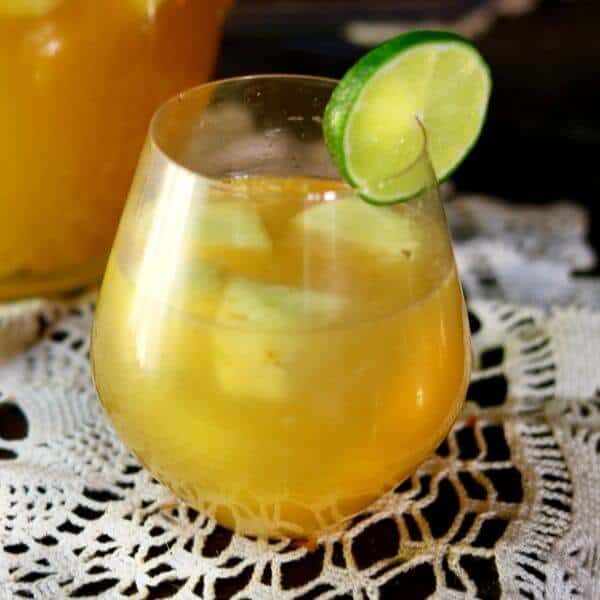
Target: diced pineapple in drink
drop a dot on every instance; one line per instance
(199, 284)
(27, 8)
(230, 224)
(258, 348)
(232, 235)
(382, 230)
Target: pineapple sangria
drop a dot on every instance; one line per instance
(277, 344)
(80, 80)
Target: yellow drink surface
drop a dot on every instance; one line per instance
(285, 427)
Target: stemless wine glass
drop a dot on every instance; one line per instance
(273, 348)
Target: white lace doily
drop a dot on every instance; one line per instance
(507, 508)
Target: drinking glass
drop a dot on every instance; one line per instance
(273, 348)
(79, 82)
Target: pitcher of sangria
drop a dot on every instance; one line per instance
(79, 83)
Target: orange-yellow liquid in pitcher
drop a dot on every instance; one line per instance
(284, 423)
(79, 81)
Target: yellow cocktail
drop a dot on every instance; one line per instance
(287, 383)
(273, 348)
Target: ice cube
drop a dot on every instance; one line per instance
(388, 232)
(230, 224)
(258, 349)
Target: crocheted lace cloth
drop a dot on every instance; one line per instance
(507, 507)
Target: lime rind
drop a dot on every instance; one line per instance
(347, 97)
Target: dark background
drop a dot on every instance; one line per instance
(541, 141)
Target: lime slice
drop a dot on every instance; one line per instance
(374, 121)
(27, 8)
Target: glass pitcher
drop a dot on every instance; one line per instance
(79, 81)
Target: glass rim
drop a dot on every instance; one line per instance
(220, 184)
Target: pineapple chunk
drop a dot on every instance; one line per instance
(199, 286)
(27, 8)
(230, 224)
(381, 230)
(256, 354)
